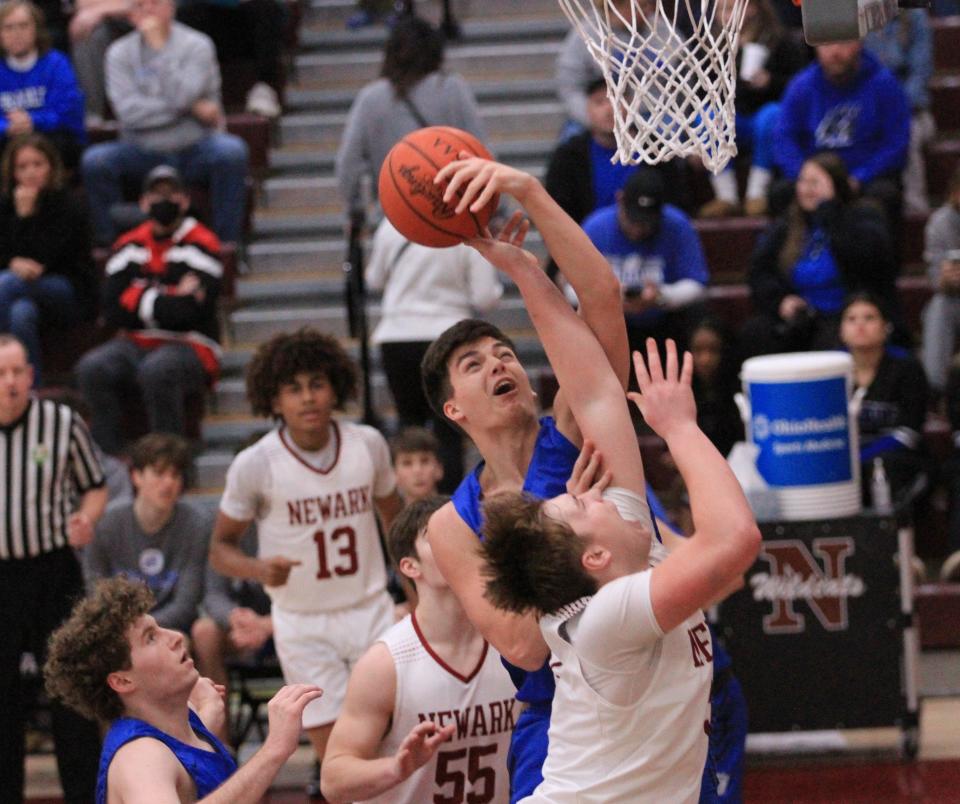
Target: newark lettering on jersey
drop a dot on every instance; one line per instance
(312, 510)
(480, 720)
(796, 575)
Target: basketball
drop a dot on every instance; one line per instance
(414, 204)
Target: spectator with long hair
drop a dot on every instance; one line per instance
(38, 88)
(715, 381)
(47, 275)
(822, 249)
(413, 91)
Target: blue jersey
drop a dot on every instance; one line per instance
(208, 769)
(550, 468)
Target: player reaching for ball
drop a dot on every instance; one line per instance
(623, 619)
(472, 376)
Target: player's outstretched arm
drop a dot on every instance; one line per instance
(145, 771)
(725, 539)
(207, 699)
(351, 770)
(582, 265)
(455, 549)
(592, 389)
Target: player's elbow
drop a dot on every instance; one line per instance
(333, 783)
(744, 541)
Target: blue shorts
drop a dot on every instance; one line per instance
(728, 737)
(528, 750)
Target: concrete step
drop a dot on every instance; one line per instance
(475, 31)
(473, 62)
(256, 324)
(529, 120)
(315, 95)
(224, 433)
(320, 191)
(316, 288)
(300, 160)
(296, 256)
(332, 15)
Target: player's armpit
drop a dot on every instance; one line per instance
(145, 771)
(226, 557)
(351, 770)
(516, 637)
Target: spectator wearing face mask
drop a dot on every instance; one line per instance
(163, 279)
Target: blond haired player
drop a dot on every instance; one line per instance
(315, 485)
(430, 710)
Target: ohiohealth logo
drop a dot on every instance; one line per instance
(763, 427)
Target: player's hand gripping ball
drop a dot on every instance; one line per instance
(414, 204)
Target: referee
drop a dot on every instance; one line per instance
(51, 493)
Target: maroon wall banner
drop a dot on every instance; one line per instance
(816, 632)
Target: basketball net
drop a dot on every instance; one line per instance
(672, 92)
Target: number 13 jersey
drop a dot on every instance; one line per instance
(472, 766)
(322, 517)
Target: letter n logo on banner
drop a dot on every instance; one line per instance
(796, 575)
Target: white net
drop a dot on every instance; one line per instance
(670, 68)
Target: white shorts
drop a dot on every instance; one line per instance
(321, 648)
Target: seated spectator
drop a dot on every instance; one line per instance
(243, 30)
(716, 370)
(158, 537)
(848, 103)
(413, 91)
(425, 291)
(951, 476)
(47, 278)
(581, 175)
(768, 58)
(905, 47)
(162, 283)
(95, 25)
(234, 621)
(38, 88)
(576, 67)
(164, 85)
(941, 316)
(416, 462)
(807, 262)
(656, 254)
(894, 403)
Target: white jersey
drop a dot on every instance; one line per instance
(643, 738)
(472, 767)
(323, 518)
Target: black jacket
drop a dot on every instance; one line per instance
(859, 243)
(57, 236)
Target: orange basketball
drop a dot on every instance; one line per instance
(410, 199)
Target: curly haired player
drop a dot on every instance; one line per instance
(315, 485)
(110, 661)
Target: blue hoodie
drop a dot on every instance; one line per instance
(48, 91)
(866, 122)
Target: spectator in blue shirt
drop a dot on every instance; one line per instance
(656, 254)
(850, 104)
(905, 47)
(38, 88)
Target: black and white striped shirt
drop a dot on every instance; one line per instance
(47, 461)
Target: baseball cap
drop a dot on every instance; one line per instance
(163, 173)
(643, 196)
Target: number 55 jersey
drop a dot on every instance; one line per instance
(472, 766)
